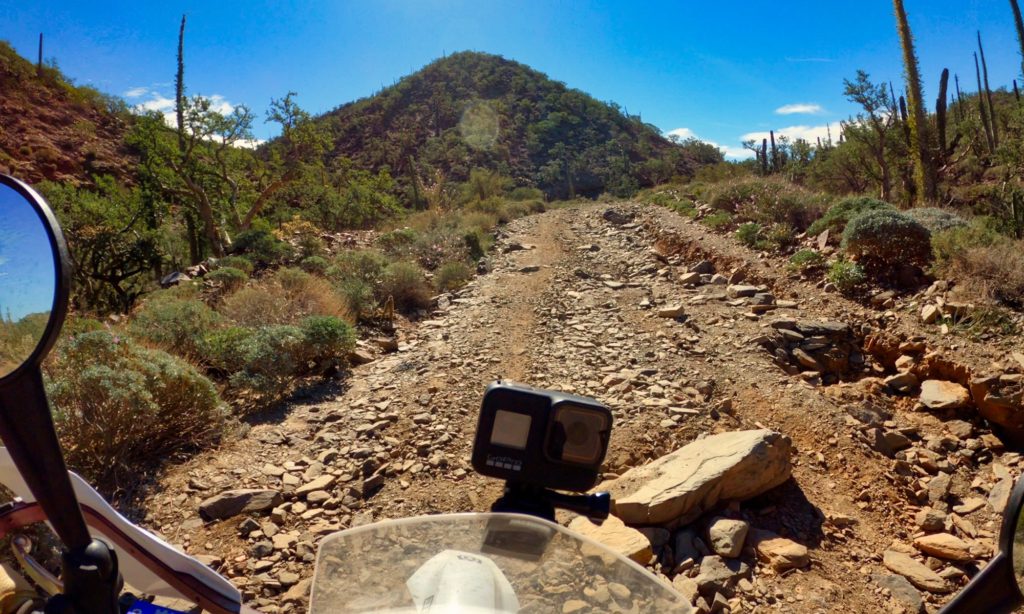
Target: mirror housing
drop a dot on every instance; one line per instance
(997, 588)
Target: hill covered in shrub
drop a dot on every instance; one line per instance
(475, 110)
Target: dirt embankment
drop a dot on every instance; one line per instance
(573, 303)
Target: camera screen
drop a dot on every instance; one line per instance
(578, 431)
(511, 429)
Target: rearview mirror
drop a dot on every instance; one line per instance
(33, 278)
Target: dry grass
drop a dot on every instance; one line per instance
(992, 272)
(286, 297)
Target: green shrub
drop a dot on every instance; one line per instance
(749, 234)
(840, 214)
(884, 239)
(806, 260)
(119, 407)
(227, 278)
(767, 201)
(224, 349)
(326, 342)
(365, 265)
(237, 262)
(846, 275)
(404, 282)
(719, 220)
(259, 244)
(315, 264)
(397, 240)
(452, 276)
(935, 219)
(271, 357)
(174, 322)
(359, 297)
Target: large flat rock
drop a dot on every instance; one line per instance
(243, 500)
(680, 486)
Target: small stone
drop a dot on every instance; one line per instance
(929, 314)
(901, 590)
(672, 311)
(938, 394)
(901, 382)
(930, 520)
(918, 575)
(944, 546)
(233, 502)
(726, 536)
(573, 606)
(319, 483)
(690, 279)
(614, 534)
(779, 552)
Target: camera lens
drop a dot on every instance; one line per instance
(579, 435)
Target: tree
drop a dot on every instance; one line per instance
(924, 174)
(877, 105)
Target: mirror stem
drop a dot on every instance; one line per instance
(26, 427)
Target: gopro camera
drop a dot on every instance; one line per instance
(541, 437)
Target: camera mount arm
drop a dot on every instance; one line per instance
(533, 500)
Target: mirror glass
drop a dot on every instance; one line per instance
(1017, 552)
(28, 279)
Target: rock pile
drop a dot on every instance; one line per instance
(822, 352)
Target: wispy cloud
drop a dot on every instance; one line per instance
(800, 108)
(732, 153)
(811, 60)
(136, 92)
(807, 133)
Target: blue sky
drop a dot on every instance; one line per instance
(26, 261)
(717, 70)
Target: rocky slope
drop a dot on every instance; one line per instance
(51, 129)
(862, 495)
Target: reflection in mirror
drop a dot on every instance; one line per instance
(1017, 555)
(27, 279)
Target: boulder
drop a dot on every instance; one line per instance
(779, 552)
(938, 394)
(944, 546)
(617, 536)
(741, 291)
(690, 279)
(717, 574)
(680, 486)
(233, 502)
(918, 575)
(704, 267)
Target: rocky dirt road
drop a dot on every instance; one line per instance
(580, 300)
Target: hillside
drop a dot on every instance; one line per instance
(473, 110)
(52, 129)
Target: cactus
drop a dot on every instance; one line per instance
(1019, 22)
(179, 88)
(981, 109)
(39, 61)
(903, 119)
(924, 175)
(1016, 92)
(988, 95)
(940, 112)
(959, 100)
(764, 156)
(775, 153)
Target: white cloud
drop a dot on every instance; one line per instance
(165, 105)
(218, 104)
(249, 143)
(156, 102)
(731, 153)
(136, 92)
(808, 133)
(800, 108)
(682, 133)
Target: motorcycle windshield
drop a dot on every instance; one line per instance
(480, 564)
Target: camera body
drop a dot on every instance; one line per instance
(540, 437)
